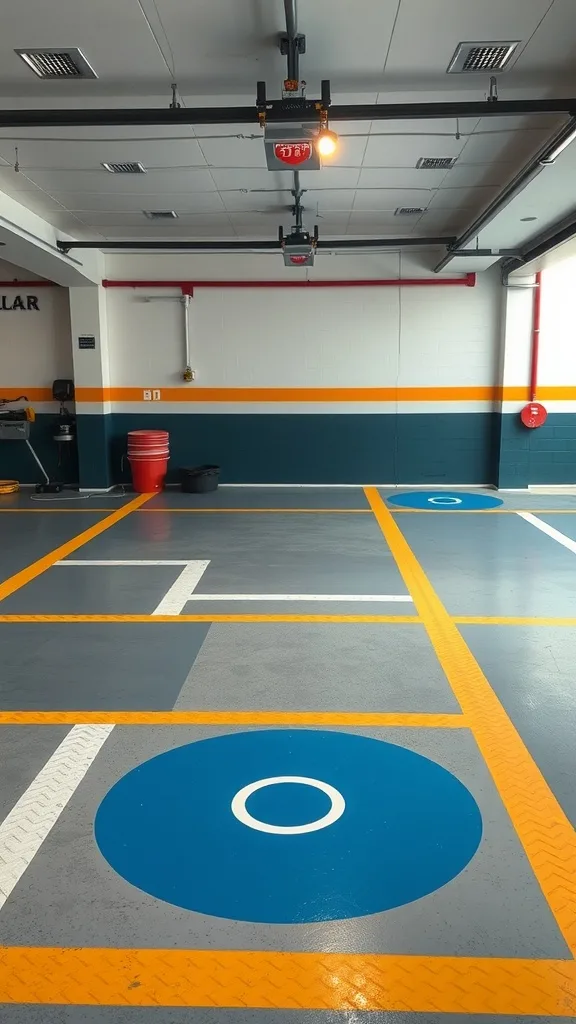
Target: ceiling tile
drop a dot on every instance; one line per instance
(469, 198)
(182, 202)
(213, 227)
(232, 178)
(152, 183)
(400, 177)
(68, 156)
(481, 174)
(330, 177)
(386, 151)
(329, 199)
(390, 198)
(445, 23)
(234, 152)
(240, 202)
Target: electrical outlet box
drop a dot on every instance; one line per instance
(156, 395)
(147, 395)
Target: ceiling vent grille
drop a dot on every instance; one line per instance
(477, 58)
(436, 163)
(409, 211)
(160, 214)
(128, 167)
(55, 62)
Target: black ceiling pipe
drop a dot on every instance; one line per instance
(167, 116)
(511, 253)
(514, 187)
(563, 231)
(381, 243)
(240, 246)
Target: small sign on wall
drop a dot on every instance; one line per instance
(86, 341)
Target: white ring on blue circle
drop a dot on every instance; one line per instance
(446, 500)
(238, 806)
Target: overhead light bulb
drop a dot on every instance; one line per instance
(326, 142)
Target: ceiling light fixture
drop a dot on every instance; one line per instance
(553, 156)
(326, 142)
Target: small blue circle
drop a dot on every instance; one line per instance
(408, 827)
(445, 501)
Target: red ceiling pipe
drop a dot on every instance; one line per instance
(27, 284)
(187, 287)
(535, 337)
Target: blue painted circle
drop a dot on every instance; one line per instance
(445, 501)
(409, 827)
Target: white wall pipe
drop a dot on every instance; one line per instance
(184, 300)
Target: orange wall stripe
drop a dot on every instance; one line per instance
(408, 394)
(32, 394)
(332, 395)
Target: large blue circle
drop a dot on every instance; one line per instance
(409, 826)
(445, 501)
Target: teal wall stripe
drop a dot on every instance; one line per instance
(318, 448)
(546, 455)
(94, 455)
(452, 448)
(16, 462)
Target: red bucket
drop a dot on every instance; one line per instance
(148, 454)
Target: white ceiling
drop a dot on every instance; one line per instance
(371, 50)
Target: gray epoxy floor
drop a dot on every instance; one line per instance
(484, 565)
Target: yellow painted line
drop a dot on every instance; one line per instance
(311, 511)
(246, 979)
(282, 511)
(211, 511)
(402, 619)
(20, 579)
(153, 718)
(513, 620)
(544, 830)
(28, 510)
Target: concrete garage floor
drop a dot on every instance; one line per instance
(291, 756)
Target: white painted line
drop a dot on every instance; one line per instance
(549, 530)
(123, 561)
(300, 597)
(38, 809)
(179, 594)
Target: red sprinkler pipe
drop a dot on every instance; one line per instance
(28, 284)
(187, 287)
(535, 337)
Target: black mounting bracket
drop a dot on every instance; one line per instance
(284, 43)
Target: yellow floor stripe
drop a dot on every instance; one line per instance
(300, 981)
(204, 511)
(402, 619)
(368, 719)
(84, 510)
(20, 579)
(544, 830)
(513, 620)
(318, 511)
(283, 511)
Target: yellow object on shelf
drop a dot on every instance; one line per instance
(9, 486)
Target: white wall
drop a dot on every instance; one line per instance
(557, 359)
(35, 346)
(318, 338)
